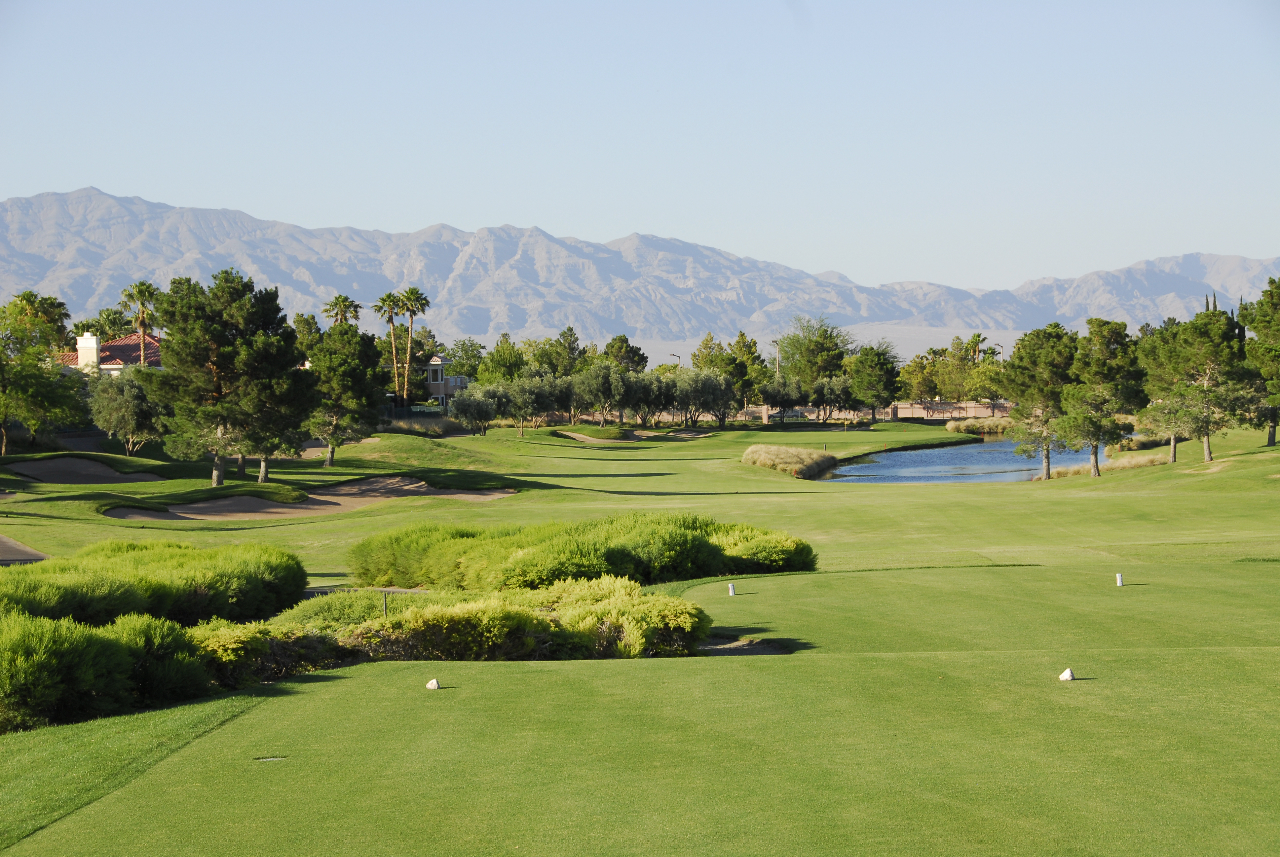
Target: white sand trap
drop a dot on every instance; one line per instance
(15, 553)
(323, 501)
(586, 438)
(76, 471)
(317, 449)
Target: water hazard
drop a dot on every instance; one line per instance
(993, 461)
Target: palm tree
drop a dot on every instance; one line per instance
(139, 301)
(412, 302)
(387, 308)
(47, 309)
(341, 310)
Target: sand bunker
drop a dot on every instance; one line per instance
(584, 438)
(317, 449)
(76, 471)
(16, 553)
(323, 501)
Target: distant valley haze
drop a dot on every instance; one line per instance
(665, 293)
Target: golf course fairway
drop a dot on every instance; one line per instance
(913, 706)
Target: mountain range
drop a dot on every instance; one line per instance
(85, 245)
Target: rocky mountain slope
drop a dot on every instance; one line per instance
(85, 245)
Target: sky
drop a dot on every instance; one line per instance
(973, 144)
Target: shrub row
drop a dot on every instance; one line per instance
(607, 617)
(162, 579)
(797, 461)
(59, 670)
(649, 548)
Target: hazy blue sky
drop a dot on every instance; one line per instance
(971, 144)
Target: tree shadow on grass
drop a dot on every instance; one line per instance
(721, 634)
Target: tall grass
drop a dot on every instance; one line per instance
(797, 461)
(429, 426)
(163, 579)
(1129, 462)
(981, 425)
(649, 548)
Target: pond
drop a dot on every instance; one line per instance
(992, 461)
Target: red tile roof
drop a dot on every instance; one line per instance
(117, 352)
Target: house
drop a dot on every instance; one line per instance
(110, 357)
(441, 386)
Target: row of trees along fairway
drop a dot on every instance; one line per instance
(236, 379)
(1182, 380)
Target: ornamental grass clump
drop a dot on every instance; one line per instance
(162, 579)
(981, 425)
(648, 548)
(797, 461)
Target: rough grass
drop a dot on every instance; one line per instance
(1128, 462)
(797, 461)
(980, 425)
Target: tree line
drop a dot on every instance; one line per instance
(239, 379)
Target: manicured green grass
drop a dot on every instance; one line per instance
(920, 712)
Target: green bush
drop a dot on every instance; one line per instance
(240, 655)
(649, 548)
(58, 670)
(607, 617)
(161, 579)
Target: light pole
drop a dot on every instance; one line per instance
(1001, 347)
(679, 359)
(777, 357)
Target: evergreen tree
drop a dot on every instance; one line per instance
(1202, 364)
(627, 356)
(309, 332)
(873, 376)
(813, 348)
(1035, 378)
(351, 382)
(222, 346)
(1262, 318)
(1108, 380)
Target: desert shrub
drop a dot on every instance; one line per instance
(797, 461)
(980, 425)
(56, 671)
(605, 617)
(167, 664)
(240, 655)
(649, 548)
(162, 579)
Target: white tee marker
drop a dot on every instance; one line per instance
(1067, 675)
(732, 591)
(1119, 580)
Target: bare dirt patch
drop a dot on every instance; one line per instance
(76, 471)
(323, 501)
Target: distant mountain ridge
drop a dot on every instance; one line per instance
(85, 245)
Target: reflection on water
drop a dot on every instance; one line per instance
(993, 461)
